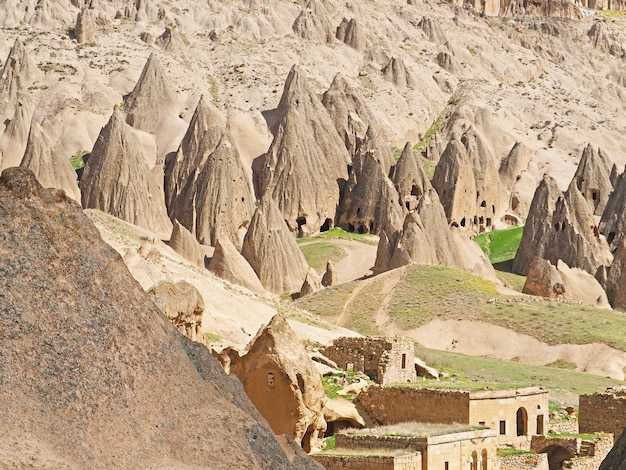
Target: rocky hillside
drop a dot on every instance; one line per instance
(93, 375)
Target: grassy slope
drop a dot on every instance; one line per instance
(317, 253)
(501, 246)
(424, 293)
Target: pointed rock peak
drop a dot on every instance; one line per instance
(372, 144)
(18, 71)
(311, 283)
(117, 179)
(593, 178)
(296, 88)
(44, 157)
(85, 29)
(514, 163)
(272, 251)
(15, 137)
(314, 23)
(350, 33)
(397, 73)
(331, 276)
(432, 30)
(615, 173)
(228, 264)
(152, 99)
(185, 244)
(171, 41)
(409, 178)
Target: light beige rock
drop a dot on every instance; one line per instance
(85, 29)
(228, 264)
(424, 370)
(118, 181)
(409, 178)
(339, 411)
(171, 41)
(593, 178)
(185, 244)
(283, 383)
(331, 276)
(182, 304)
(271, 250)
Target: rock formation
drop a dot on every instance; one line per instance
(206, 186)
(306, 160)
(282, 382)
(562, 282)
(85, 29)
(183, 306)
(615, 282)
(568, 232)
(350, 32)
(152, 100)
(44, 157)
(426, 238)
(15, 137)
(409, 178)
(117, 180)
(613, 222)
(538, 225)
(272, 251)
(340, 413)
(397, 73)
(90, 350)
(359, 211)
(228, 264)
(353, 118)
(185, 244)
(593, 178)
(171, 41)
(331, 276)
(513, 164)
(17, 74)
(311, 283)
(432, 30)
(313, 23)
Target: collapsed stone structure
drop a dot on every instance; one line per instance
(397, 449)
(605, 412)
(384, 360)
(515, 414)
(573, 452)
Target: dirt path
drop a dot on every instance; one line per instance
(359, 259)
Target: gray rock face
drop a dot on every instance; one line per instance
(171, 41)
(593, 178)
(613, 222)
(44, 157)
(117, 180)
(353, 118)
(370, 202)
(314, 23)
(432, 30)
(228, 264)
(206, 186)
(331, 276)
(615, 282)
(85, 29)
(152, 99)
(89, 349)
(306, 160)
(185, 244)
(397, 73)
(409, 178)
(426, 238)
(513, 164)
(560, 226)
(538, 225)
(350, 33)
(271, 250)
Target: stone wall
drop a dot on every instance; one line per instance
(515, 414)
(602, 412)
(370, 462)
(385, 360)
(523, 462)
(600, 447)
(391, 405)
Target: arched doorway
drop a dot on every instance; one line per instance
(474, 461)
(556, 456)
(483, 460)
(522, 422)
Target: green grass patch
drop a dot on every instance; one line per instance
(429, 167)
(509, 279)
(434, 128)
(562, 364)
(611, 14)
(78, 160)
(476, 373)
(500, 245)
(584, 437)
(317, 253)
(507, 452)
(329, 443)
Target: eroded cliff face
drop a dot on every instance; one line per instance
(94, 374)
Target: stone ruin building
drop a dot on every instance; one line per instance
(515, 414)
(385, 360)
(402, 449)
(603, 412)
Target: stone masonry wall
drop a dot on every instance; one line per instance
(391, 405)
(602, 412)
(601, 447)
(370, 462)
(524, 462)
(385, 360)
(362, 442)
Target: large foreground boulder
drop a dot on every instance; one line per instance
(93, 375)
